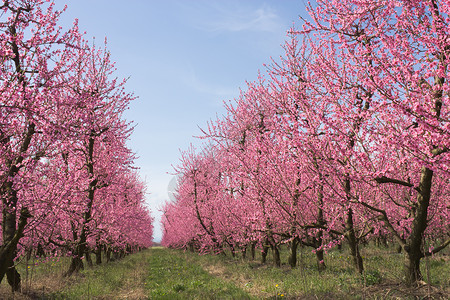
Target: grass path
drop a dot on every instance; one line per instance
(155, 273)
(177, 275)
(160, 273)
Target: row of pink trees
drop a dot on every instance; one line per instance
(67, 182)
(345, 138)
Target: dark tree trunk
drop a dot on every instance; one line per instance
(7, 268)
(350, 234)
(319, 238)
(413, 247)
(244, 252)
(108, 255)
(276, 256)
(98, 255)
(353, 242)
(81, 246)
(40, 251)
(7, 254)
(253, 250)
(8, 250)
(10, 233)
(412, 265)
(210, 230)
(320, 260)
(116, 255)
(76, 264)
(13, 278)
(293, 253)
(264, 252)
(88, 258)
(232, 250)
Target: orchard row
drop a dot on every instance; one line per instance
(67, 181)
(345, 139)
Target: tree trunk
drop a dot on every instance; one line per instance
(319, 238)
(7, 268)
(40, 251)
(81, 246)
(413, 247)
(98, 255)
(13, 278)
(76, 264)
(8, 250)
(320, 260)
(116, 255)
(7, 254)
(10, 233)
(350, 231)
(276, 256)
(412, 268)
(293, 253)
(232, 250)
(264, 252)
(353, 242)
(88, 258)
(108, 255)
(253, 250)
(209, 231)
(244, 252)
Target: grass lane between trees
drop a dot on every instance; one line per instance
(160, 273)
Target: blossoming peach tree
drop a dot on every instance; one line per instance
(64, 163)
(347, 137)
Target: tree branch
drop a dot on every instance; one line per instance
(384, 179)
(318, 226)
(437, 249)
(8, 245)
(383, 217)
(437, 151)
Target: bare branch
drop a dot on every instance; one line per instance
(383, 217)
(440, 151)
(384, 179)
(437, 249)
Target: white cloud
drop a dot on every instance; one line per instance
(263, 19)
(235, 17)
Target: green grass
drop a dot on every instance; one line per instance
(109, 279)
(160, 273)
(267, 281)
(381, 279)
(156, 273)
(174, 274)
(151, 274)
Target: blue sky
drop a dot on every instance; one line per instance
(183, 59)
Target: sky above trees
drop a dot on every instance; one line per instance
(183, 59)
